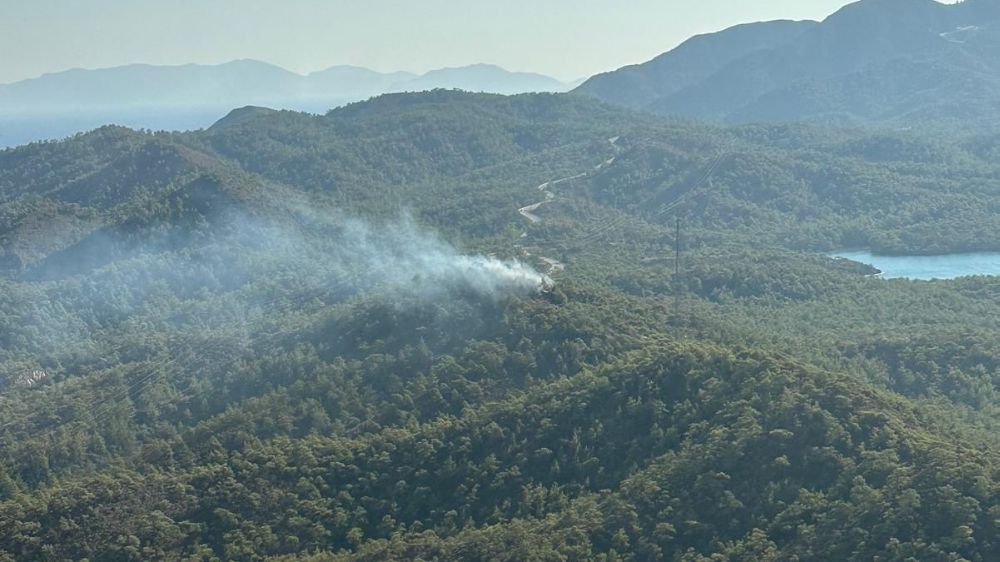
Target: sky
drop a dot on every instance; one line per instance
(567, 39)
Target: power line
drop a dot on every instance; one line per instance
(677, 271)
(664, 209)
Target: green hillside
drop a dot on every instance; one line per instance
(299, 337)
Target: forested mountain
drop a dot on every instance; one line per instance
(696, 59)
(193, 96)
(448, 326)
(896, 62)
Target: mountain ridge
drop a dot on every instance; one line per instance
(193, 96)
(228, 325)
(794, 75)
(289, 83)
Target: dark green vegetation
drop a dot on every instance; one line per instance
(194, 366)
(896, 62)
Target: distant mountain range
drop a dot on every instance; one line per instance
(194, 96)
(894, 62)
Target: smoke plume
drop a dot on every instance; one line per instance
(401, 257)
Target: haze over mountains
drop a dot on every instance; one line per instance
(899, 63)
(895, 62)
(194, 96)
(470, 327)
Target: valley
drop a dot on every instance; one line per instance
(220, 327)
(739, 303)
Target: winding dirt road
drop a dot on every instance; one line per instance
(528, 212)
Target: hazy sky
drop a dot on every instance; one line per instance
(564, 38)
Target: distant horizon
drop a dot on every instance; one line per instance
(564, 40)
(296, 72)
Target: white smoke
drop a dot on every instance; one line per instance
(255, 265)
(402, 257)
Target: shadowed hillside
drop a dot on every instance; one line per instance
(901, 63)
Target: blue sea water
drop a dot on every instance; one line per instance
(948, 266)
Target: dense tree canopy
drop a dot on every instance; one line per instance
(197, 362)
